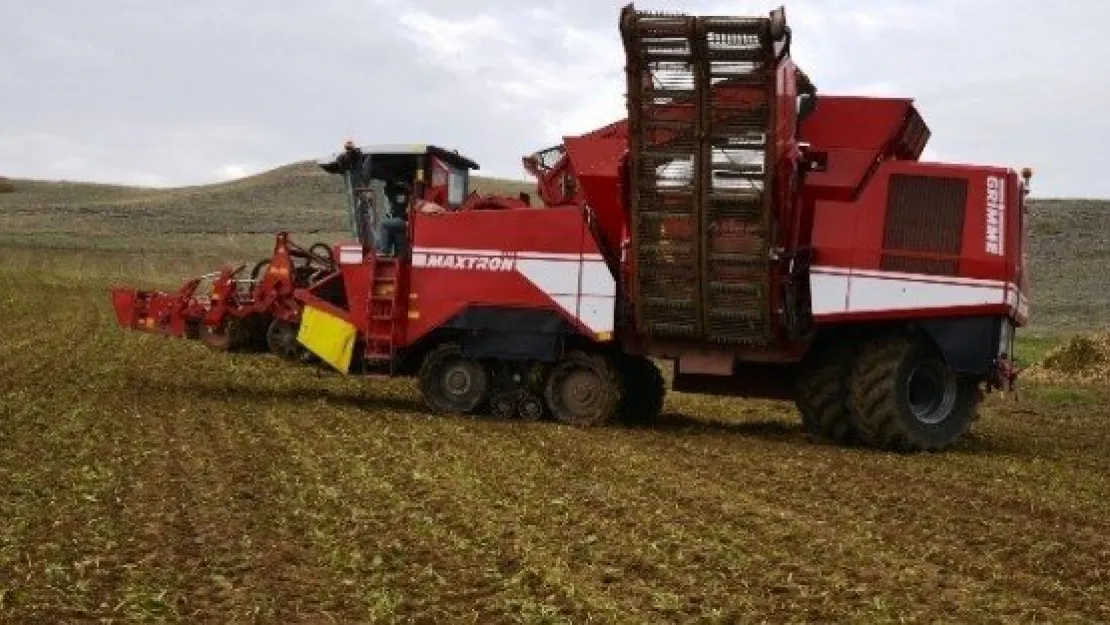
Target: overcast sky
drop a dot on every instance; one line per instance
(165, 92)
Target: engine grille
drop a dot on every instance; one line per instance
(924, 224)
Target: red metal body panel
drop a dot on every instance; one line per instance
(848, 240)
(861, 123)
(600, 175)
(854, 134)
(475, 258)
(850, 234)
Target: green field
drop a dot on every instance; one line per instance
(144, 479)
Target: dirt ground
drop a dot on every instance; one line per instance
(144, 479)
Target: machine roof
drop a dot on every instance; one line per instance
(452, 157)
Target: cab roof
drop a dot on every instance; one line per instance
(451, 157)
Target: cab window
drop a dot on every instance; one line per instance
(456, 185)
(449, 183)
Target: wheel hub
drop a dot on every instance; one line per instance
(581, 391)
(457, 380)
(931, 392)
(452, 383)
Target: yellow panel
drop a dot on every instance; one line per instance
(327, 336)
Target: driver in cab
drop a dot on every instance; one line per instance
(393, 227)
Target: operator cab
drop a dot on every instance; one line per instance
(381, 179)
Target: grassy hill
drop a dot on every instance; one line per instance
(1069, 257)
(299, 198)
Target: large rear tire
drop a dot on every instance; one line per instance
(904, 396)
(822, 390)
(643, 391)
(451, 383)
(583, 390)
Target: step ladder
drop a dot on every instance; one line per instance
(385, 309)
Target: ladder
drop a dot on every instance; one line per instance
(701, 134)
(385, 311)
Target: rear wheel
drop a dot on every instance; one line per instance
(452, 383)
(821, 394)
(583, 390)
(904, 396)
(643, 390)
(232, 335)
(281, 339)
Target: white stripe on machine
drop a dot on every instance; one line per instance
(350, 254)
(837, 290)
(580, 284)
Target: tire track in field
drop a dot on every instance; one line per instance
(56, 454)
(74, 556)
(464, 505)
(225, 528)
(733, 516)
(605, 451)
(482, 497)
(681, 489)
(930, 505)
(57, 336)
(398, 539)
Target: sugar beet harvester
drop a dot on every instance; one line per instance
(767, 242)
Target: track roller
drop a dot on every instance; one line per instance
(503, 405)
(531, 407)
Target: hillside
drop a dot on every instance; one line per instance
(299, 198)
(1068, 252)
(1069, 256)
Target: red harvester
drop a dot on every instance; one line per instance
(768, 242)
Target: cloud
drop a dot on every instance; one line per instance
(182, 93)
(234, 171)
(446, 41)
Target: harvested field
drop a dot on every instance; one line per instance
(143, 479)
